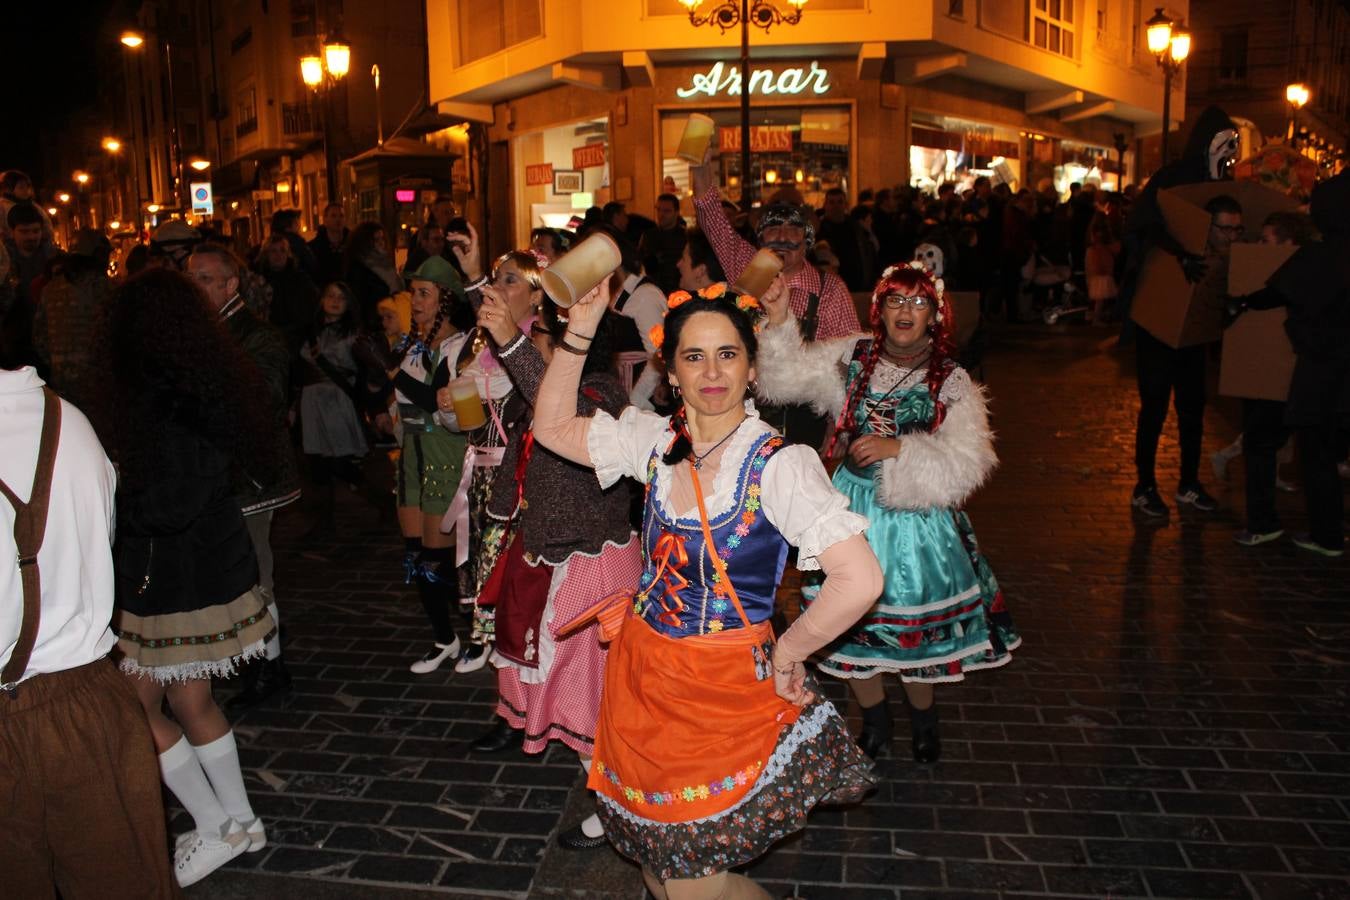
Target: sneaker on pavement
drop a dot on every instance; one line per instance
(1307, 543)
(203, 855)
(438, 655)
(257, 837)
(474, 658)
(1195, 495)
(1148, 502)
(1256, 538)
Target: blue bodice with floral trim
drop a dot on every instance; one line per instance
(680, 593)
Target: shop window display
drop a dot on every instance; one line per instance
(943, 148)
(804, 147)
(558, 172)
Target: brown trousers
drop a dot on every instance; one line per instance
(80, 798)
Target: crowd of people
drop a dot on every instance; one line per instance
(598, 499)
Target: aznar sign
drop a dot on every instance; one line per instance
(725, 80)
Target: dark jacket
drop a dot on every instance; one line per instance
(304, 257)
(295, 302)
(327, 256)
(1314, 284)
(266, 347)
(1146, 228)
(181, 539)
(660, 251)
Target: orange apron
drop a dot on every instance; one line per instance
(686, 725)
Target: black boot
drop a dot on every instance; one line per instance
(500, 737)
(262, 681)
(877, 729)
(924, 739)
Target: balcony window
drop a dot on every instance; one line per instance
(1052, 26)
(1233, 57)
(489, 26)
(296, 118)
(246, 113)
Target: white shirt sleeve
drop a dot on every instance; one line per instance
(622, 446)
(800, 501)
(647, 309)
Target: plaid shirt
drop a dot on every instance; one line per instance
(836, 314)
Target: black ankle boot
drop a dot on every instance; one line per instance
(500, 737)
(877, 729)
(263, 680)
(924, 739)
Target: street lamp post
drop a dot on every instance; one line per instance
(321, 74)
(1297, 95)
(1170, 44)
(727, 15)
(114, 147)
(134, 40)
(81, 179)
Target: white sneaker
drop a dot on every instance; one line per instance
(438, 655)
(203, 855)
(257, 837)
(474, 658)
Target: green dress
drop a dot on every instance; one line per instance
(941, 612)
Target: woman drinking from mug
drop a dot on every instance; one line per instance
(711, 744)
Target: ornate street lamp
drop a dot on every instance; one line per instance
(321, 73)
(1297, 96)
(1170, 44)
(726, 15)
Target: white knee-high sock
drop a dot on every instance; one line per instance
(183, 774)
(220, 760)
(590, 826)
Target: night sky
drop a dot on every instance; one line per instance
(48, 65)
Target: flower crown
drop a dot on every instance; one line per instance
(744, 302)
(938, 286)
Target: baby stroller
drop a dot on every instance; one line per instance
(1057, 283)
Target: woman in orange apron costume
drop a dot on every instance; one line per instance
(710, 745)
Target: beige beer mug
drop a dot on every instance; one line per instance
(697, 136)
(586, 265)
(467, 404)
(759, 274)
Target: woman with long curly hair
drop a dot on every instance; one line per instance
(918, 444)
(177, 420)
(711, 744)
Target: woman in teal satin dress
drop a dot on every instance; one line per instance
(918, 443)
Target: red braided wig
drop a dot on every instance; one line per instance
(909, 282)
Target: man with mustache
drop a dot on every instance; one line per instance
(819, 301)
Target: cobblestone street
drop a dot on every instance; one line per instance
(1176, 723)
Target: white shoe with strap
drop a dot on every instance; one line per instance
(203, 855)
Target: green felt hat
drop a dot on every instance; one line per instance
(436, 270)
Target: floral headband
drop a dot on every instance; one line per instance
(744, 302)
(938, 286)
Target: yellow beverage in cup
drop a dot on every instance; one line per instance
(759, 274)
(467, 404)
(694, 141)
(586, 265)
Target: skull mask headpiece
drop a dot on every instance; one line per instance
(931, 257)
